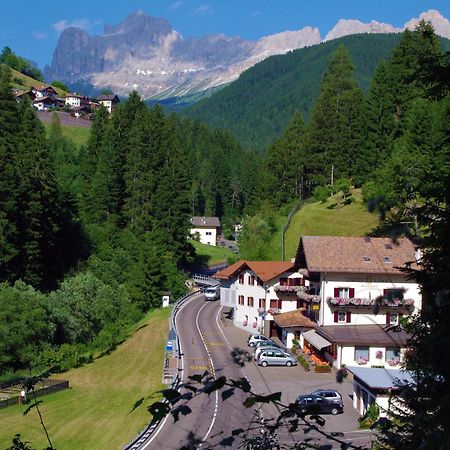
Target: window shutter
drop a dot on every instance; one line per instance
(336, 317)
(388, 318)
(336, 292)
(349, 317)
(351, 292)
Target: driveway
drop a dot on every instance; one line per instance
(294, 381)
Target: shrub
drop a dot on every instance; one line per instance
(370, 417)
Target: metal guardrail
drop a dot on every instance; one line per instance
(204, 280)
(145, 434)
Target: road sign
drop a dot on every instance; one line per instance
(169, 346)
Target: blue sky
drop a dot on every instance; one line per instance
(32, 28)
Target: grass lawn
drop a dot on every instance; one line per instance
(95, 413)
(78, 135)
(321, 219)
(210, 255)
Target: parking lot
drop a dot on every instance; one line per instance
(295, 381)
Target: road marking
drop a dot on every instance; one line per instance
(198, 367)
(161, 425)
(213, 372)
(219, 344)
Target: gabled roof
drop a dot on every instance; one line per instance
(44, 99)
(108, 98)
(293, 319)
(265, 270)
(44, 88)
(198, 221)
(355, 254)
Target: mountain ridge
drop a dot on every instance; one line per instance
(146, 54)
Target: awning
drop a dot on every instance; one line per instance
(316, 340)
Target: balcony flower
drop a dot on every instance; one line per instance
(274, 311)
(362, 361)
(289, 289)
(379, 354)
(383, 302)
(260, 311)
(255, 324)
(393, 362)
(244, 323)
(308, 297)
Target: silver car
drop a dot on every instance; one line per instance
(275, 358)
(259, 350)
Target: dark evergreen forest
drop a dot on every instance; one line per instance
(258, 106)
(90, 238)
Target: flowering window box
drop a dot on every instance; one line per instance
(274, 311)
(362, 361)
(255, 324)
(245, 323)
(379, 354)
(393, 362)
(289, 289)
(308, 297)
(395, 302)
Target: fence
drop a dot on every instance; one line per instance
(51, 386)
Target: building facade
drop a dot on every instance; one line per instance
(205, 229)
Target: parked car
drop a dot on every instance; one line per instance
(315, 404)
(275, 358)
(267, 343)
(329, 394)
(260, 349)
(254, 338)
(212, 293)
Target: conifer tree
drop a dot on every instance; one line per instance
(284, 165)
(9, 123)
(379, 126)
(335, 130)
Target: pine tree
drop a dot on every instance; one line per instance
(284, 165)
(335, 130)
(379, 126)
(9, 123)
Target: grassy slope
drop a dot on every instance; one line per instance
(95, 412)
(207, 254)
(78, 135)
(28, 82)
(317, 219)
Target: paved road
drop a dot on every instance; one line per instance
(203, 347)
(206, 344)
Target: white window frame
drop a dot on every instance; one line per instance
(344, 292)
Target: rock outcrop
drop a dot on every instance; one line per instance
(146, 54)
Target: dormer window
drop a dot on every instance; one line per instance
(366, 258)
(386, 260)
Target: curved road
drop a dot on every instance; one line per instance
(203, 347)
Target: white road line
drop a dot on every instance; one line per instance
(216, 407)
(161, 425)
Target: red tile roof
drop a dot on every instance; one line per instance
(356, 254)
(293, 319)
(265, 270)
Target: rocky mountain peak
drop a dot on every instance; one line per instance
(440, 24)
(141, 26)
(345, 27)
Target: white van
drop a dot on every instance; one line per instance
(212, 293)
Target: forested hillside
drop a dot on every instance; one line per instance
(91, 237)
(259, 105)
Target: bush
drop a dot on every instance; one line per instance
(370, 417)
(304, 363)
(321, 193)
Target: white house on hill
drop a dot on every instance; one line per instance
(205, 229)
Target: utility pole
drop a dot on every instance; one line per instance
(332, 174)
